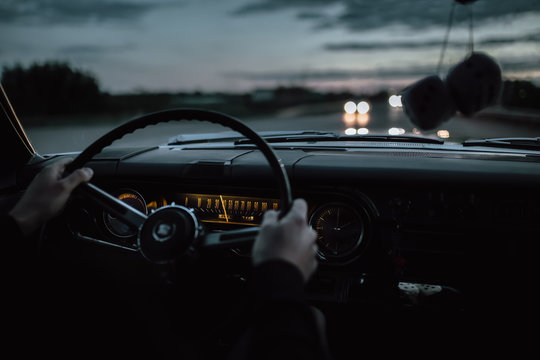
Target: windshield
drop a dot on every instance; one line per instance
(76, 69)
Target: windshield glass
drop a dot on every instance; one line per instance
(75, 69)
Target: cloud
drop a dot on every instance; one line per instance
(94, 49)
(261, 6)
(332, 75)
(520, 64)
(398, 45)
(72, 11)
(311, 15)
(382, 73)
(360, 15)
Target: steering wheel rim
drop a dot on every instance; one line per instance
(110, 203)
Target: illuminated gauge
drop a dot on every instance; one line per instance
(340, 230)
(117, 227)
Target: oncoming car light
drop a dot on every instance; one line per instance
(395, 101)
(363, 107)
(350, 107)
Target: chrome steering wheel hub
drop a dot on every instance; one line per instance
(168, 231)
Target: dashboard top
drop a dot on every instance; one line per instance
(327, 165)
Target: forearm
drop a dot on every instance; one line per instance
(283, 325)
(14, 242)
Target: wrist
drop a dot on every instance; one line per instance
(26, 221)
(278, 279)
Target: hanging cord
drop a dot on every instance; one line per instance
(471, 29)
(470, 46)
(446, 36)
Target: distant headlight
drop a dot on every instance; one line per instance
(363, 107)
(395, 101)
(350, 107)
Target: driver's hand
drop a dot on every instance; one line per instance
(288, 239)
(47, 195)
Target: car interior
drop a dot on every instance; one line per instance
(415, 241)
(425, 247)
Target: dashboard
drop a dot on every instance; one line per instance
(443, 219)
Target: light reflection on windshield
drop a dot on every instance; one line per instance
(443, 134)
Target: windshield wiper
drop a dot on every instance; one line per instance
(330, 136)
(396, 138)
(235, 136)
(524, 143)
(300, 136)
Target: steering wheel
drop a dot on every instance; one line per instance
(169, 231)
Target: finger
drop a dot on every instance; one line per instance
(269, 217)
(57, 168)
(298, 213)
(64, 160)
(298, 209)
(77, 177)
(61, 163)
(312, 234)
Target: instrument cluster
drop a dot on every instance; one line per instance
(342, 224)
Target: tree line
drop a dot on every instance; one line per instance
(56, 88)
(52, 88)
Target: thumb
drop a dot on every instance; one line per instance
(77, 177)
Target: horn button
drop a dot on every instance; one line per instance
(167, 233)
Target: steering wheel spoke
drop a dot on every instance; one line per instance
(121, 210)
(230, 239)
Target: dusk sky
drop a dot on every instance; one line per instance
(239, 45)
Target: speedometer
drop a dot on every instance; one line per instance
(117, 227)
(228, 209)
(340, 230)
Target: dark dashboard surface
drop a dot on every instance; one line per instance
(398, 216)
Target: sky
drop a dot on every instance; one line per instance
(241, 45)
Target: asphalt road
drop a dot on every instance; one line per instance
(381, 118)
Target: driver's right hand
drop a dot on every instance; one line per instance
(289, 239)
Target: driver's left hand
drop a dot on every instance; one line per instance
(47, 195)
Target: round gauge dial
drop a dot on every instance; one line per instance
(340, 230)
(117, 227)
